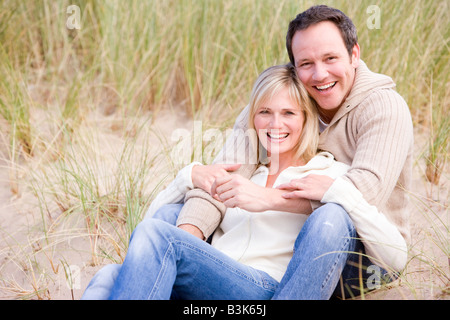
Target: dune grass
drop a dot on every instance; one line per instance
(78, 108)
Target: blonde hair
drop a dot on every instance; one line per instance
(269, 84)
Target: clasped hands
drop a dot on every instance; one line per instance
(231, 189)
(236, 191)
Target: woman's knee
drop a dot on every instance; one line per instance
(151, 226)
(168, 213)
(150, 230)
(108, 273)
(332, 215)
(149, 237)
(328, 225)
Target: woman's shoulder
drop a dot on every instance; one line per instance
(322, 163)
(337, 167)
(324, 160)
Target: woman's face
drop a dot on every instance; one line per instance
(279, 124)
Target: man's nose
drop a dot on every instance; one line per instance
(320, 72)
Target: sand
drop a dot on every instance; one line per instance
(31, 268)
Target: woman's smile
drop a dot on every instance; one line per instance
(277, 137)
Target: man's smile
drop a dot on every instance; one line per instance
(326, 87)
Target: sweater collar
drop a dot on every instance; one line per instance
(365, 83)
(320, 161)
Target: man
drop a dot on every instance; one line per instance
(364, 123)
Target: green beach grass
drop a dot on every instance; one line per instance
(89, 99)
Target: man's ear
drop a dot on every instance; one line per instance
(356, 51)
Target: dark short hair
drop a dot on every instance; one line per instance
(318, 14)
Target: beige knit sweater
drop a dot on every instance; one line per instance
(372, 132)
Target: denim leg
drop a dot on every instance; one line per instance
(162, 258)
(320, 254)
(168, 213)
(100, 286)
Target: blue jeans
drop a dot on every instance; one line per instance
(165, 262)
(328, 262)
(100, 286)
(321, 252)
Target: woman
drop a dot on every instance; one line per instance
(253, 245)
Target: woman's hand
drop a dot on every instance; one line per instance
(204, 176)
(237, 191)
(311, 187)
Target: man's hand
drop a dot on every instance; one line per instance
(204, 176)
(311, 187)
(237, 191)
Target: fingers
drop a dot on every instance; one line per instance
(204, 176)
(231, 167)
(295, 195)
(296, 187)
(312, 187)
(230, 203)
(226, 196)
(292, 185)
(286, 186)
(219, 182)
(226, 188)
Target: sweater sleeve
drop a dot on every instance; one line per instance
(384, 139)
(384, 244)
(202, 210)
(175, 191)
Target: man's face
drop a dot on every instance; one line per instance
(324, 66)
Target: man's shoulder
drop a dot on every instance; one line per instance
(385, 107)
(369, 79)
(386, 100)
(370, 86)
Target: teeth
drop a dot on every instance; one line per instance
(326, 86)
(277, 136)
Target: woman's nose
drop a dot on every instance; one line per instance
(275, 122)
